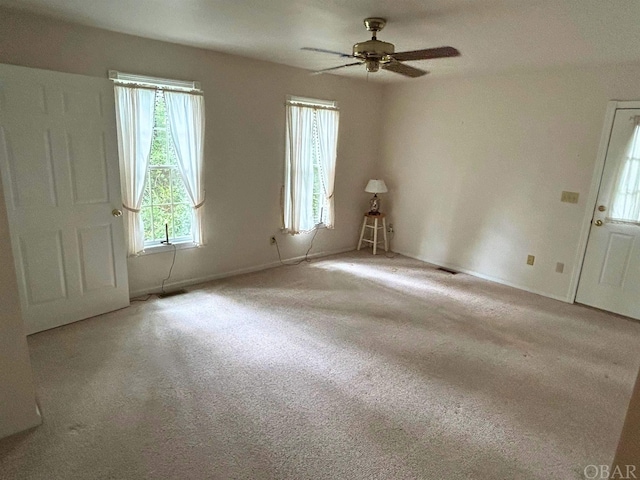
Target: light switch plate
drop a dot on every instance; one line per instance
(569, 197)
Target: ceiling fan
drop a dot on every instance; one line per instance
(376, 54)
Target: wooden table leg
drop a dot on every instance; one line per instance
(384, 231)
(375, 235)
(364, 226)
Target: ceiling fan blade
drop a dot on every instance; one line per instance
(335, 68)
(403, 69)
(322, 50)
(439, 52)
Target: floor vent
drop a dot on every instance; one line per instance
(171, 294)
(452, 272)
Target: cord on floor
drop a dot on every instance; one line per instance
(173, 262)
(306, 255)
(386, 254)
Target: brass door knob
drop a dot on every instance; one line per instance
(598, 223)
(116, 212)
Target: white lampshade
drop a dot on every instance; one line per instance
(376, 186)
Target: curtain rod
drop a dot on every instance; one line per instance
(149, 87)
(134, 80)
(313, 106)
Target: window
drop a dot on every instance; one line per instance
(626, 195)
(165, 201)
(160, 144)
(311, 148)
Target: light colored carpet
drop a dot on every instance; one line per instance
(349, 367)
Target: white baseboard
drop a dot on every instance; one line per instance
(265, 266)
(231, 273)
(501, 281)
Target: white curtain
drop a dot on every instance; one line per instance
(626, 195)
(186, 122)
(298, 191)
(134, 118)
(327, 127)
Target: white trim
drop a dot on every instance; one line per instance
(163, 247)
(265, 266)
(155, 82)
(499, 280)
(240, 271)
(592, 199)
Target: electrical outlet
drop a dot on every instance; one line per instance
(559, 267)
(530, 259)
(390, 229)
(272, 240)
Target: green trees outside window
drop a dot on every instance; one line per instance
(165, 200)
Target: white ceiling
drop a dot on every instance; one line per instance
(492, 35)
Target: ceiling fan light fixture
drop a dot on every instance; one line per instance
(372, 66)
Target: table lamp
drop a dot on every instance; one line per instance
(375, 186)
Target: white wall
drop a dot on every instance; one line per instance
(17, 395)
(476, 167)
(244, 144)
(244, 162)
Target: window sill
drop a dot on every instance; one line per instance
(153, 249)
(318, 226)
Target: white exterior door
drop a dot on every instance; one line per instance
(610, 277)
(59, 165)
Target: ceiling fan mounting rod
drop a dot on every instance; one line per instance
(374, 24)
(374, 51)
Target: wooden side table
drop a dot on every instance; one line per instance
(375, 226)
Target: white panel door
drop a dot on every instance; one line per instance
(59, 164)
(610, 277)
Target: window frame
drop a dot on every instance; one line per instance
(196, 238)
(320, 218)
(173, 170)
